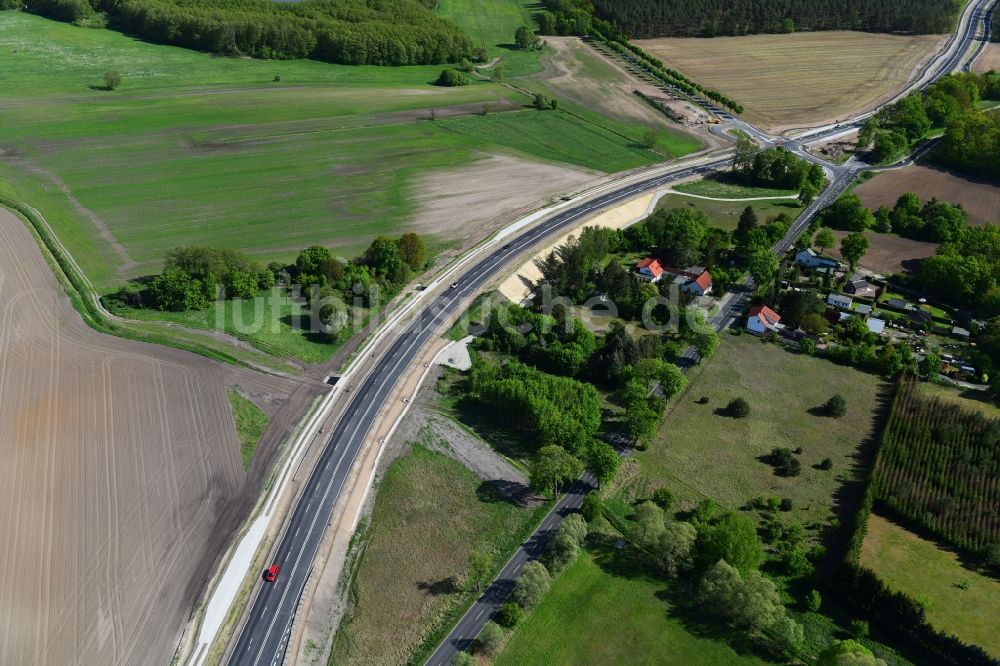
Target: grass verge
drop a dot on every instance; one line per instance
(250, 424)
(726, 214)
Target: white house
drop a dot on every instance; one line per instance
(840, 301)
(763, 319)
(649, 269)
(876, 326)
(701, 285)
(810, 259)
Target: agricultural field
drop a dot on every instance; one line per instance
(700, 453)
(936, 467)
(618, 617)
(974, 400)
(106, 443)
(784, 80)
(726, 214)
(990, 59)
(958, 600)
(428, 520)
(888, 253)
(203, 150)
(980, 199)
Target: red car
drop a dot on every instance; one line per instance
(271, 574)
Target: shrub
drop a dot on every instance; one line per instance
(784, 462)
(836, 406)
(858, 628)
(490, 638)
(826, 464)
(451, 78)
(738, 408)
(591, 507)
(663, 498)
(531, 585)
(508, 615)
(463, 659)
(112, 79)
(814, 600)
(787, 504)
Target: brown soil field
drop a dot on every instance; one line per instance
(889, 253)
(989, 59)
(784, 80)
(121, 479)
(454, 203)
(980, 199)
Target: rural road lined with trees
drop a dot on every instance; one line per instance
(264, 636)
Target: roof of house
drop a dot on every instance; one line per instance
(897, 303)
(704, 280)
(863, 309)
(767, 316)
(652, 264)
(838, 298)
(876, 326)
(958, 330)
(809, 251)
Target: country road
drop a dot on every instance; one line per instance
(264, 636)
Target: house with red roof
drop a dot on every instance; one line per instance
(701, 285)
(763, 319)
(649, 269)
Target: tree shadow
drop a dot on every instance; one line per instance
(501, 490)
(438, 588)
(100, 88)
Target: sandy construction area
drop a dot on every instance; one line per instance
(980, 199)
(784, 81)
(121, 477)
(455, 204)
(989, 59)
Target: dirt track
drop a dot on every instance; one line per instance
(121, 477)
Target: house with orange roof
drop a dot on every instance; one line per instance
(649, 269)
(763, 319)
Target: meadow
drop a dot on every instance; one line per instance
(264, 156)
(600, 613)
(491, 25)
(250, 424)
(957, 599)
(700, 453)
(784, 80)
(411, 581)
(726, 214)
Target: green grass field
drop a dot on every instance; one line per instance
(410, 582)
(700, 454)
(724, 189)
(196, 149)
(935, 576)
(595, 615)
(725, 214)
(491, 25)
(250, 424)
(976, 400)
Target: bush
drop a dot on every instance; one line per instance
(858, 628)
(508, 615)
(738, 408)
(784, 462)
(663, 498)
(490, 638)
(814, 600)
(112, 79)
(451, 78)
(836, 406)
(463, 659)
(786, 504)
(826, 464)
(591, 507)
(531, 585)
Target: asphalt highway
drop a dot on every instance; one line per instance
(264, 636)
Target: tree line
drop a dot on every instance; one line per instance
(355, 32)
(709, 18)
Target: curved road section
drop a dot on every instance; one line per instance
(264, 636)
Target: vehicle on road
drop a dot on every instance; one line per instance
(271, 573)
(506, 246)
(454, 285)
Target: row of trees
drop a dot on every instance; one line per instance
(357, 32)
(707, 18)
(193, 277)
(939, 466)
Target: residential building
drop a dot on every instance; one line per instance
(763, 319)
(840, 301)
(701, 285)
(860, 287)
(876, 326)
(810, 259)
(649, 269)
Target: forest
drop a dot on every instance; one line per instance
(939, 467)
(353, 32)
(708, 18)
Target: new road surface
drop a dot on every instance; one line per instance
(264, 636)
